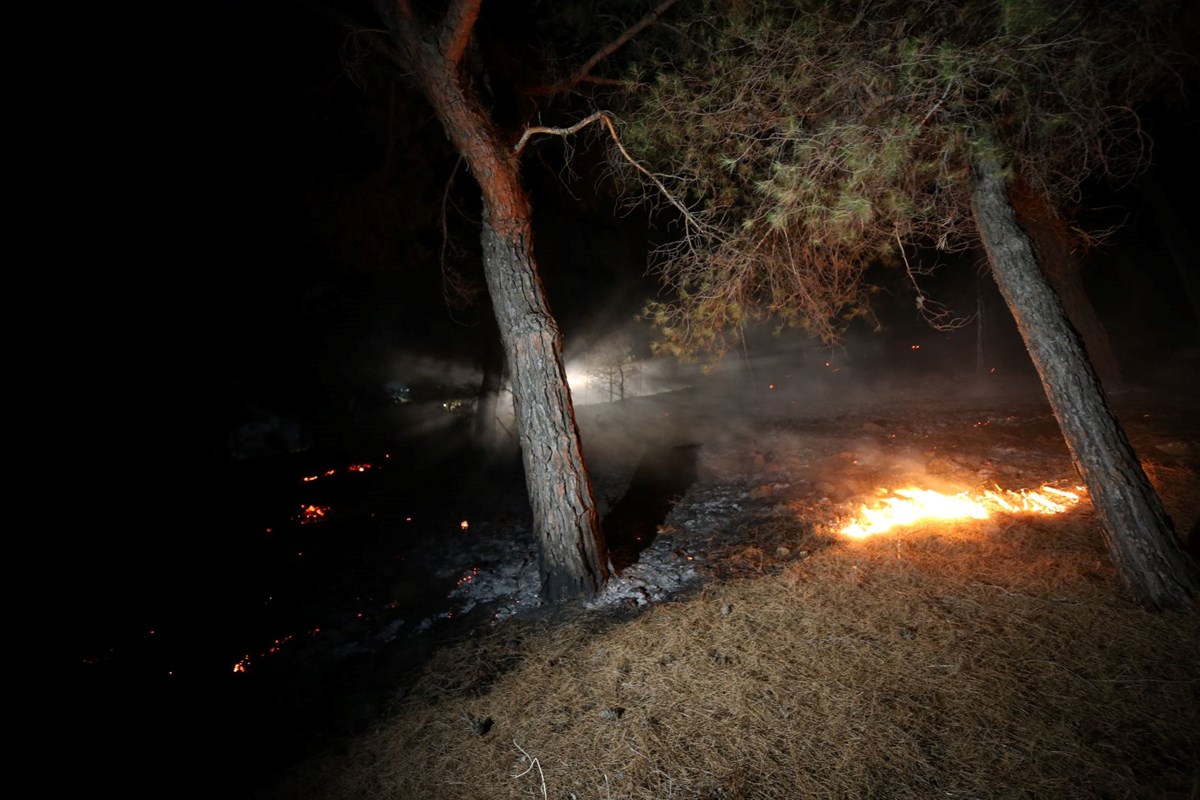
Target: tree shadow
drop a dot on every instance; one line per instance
(659, 481)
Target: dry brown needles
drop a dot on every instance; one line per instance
(978, 660)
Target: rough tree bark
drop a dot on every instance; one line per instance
(573, 559)
(1138, 533)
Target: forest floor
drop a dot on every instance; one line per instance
(750, 648)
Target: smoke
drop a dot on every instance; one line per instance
(428, 374)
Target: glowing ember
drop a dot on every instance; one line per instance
(358, 467)
(911, 505)
(468, 576)
(464, 525)
(312, 513)
(272, 649)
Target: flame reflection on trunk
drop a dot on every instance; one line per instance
(911, 505)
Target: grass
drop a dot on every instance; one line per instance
(977, 660)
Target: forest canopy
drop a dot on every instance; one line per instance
(814, 139)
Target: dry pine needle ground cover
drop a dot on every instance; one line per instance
(981, 659)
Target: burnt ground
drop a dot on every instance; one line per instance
(820, 451)
(743, 481)
(819, 471)
(747, 484)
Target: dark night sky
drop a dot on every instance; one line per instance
(204, 227)
(206, 171)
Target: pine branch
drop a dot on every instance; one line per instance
(583, 73)
(601, 116)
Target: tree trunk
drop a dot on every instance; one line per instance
(1136, 529)
(573, 559)
(1051, 241)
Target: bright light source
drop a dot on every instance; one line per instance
(912, 505)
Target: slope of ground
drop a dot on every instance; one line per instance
(753, 651)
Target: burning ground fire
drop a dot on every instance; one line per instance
(911, 505)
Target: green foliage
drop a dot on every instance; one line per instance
(813, 138)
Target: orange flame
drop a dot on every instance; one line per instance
(912, 505)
